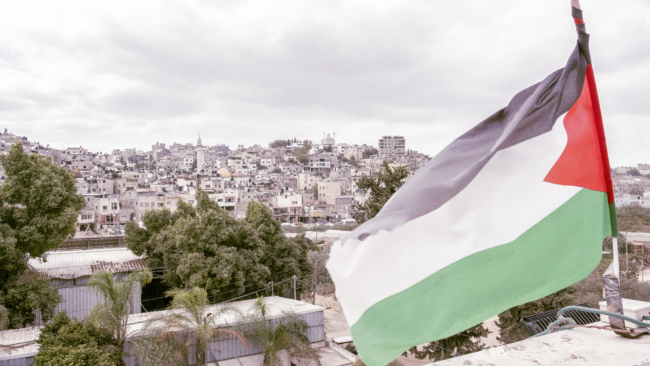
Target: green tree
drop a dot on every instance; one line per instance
(635, 172)
(279, 143)
(381, 188)
(303, 152)
(636, 190)
(467, 341)
(633, 218)
(286, 333)
(283, 257)
(202, 247)
(314, 190)
(276, 171)
(38, 210)
(509, 328)
(192, 325)
(369, 152)
(113, 312)
(68, 342)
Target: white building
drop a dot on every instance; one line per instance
(392, 147)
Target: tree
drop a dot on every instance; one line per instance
(369, 152)
(508, 323)
(303, 152)
(38, 210)
(633, 218)
(283, 257)
(328, 149)
(276, 171)
(190, 326)
(68, 342)
(467, 341)
(635, 172)
(381, 188)
(279, 143)
(283, 334)
(202, 247)
(113, 312)
(636, 190)
(314, 190)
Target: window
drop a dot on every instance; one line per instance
(114, 205)
(169, 202)
(104, 207)
(141, 204)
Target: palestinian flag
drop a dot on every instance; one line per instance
(513, 210)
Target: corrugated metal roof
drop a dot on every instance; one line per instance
(275, 308)
(18, 343)
(23, 340)
(79, 263)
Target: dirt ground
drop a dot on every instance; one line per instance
(337, 326)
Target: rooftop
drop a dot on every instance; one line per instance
(79, 263)
(579, 346)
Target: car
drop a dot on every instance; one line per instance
(349, 221)
(286, 224)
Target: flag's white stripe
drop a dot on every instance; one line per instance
(505, 199)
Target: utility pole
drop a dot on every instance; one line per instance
(294, 287)
(315, 281)
(627, 261)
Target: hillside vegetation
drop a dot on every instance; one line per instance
(633, 218)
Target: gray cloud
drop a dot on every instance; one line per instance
(126, 74)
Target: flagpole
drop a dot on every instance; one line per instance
(617, 270)
(611, 277)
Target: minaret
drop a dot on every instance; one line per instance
(200, 155)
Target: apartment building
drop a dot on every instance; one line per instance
(392, 147)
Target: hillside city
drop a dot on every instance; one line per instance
(314, 186)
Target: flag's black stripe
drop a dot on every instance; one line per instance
(531, 113)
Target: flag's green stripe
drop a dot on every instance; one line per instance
(560, 250)
(614, 219)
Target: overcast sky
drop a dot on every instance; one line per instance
(123, 74)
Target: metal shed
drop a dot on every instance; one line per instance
(69, 271)
(19, 346)
(225, 349)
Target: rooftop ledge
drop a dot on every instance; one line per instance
(579, 346)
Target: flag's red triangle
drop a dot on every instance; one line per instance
(584, 161)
